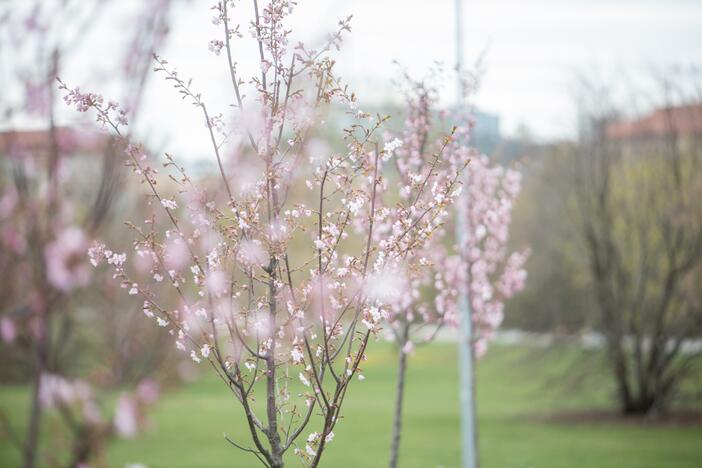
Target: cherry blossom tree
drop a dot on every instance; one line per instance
(427, 299)
(46, 227)
(280, 276)
(478, 267)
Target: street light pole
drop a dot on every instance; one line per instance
(469, 453)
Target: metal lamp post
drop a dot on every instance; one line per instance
(469, 454)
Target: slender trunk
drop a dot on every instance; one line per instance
(328, 422)
(271, 403)
(35, 410)
(400, 393)
(32, 439)
(272, 412)
(474, 404)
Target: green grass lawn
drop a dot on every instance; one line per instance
(516, 386)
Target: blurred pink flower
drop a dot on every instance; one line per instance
(177, 254)
(54, 390)
(8, 202)
(36, 97)
(8, 330)
(148, 391)
(252, 253)
(126, 417)
(217, 282)
(66, 267)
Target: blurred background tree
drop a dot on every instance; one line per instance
(638, 185)
(616, 225)
(58, 188)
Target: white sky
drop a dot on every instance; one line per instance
(534, 50)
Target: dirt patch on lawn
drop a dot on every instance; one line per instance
(679, 418)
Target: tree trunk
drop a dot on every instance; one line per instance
(400, 392)
(32, 439)
(635, 398)
(35, 410)
(276, 460)
(619, 369)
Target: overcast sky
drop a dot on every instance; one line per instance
(534, 48)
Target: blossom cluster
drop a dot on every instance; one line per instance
(77, 397)
(110, 112)
(493, 274)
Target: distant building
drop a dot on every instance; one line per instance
(486, 134)
(38, 143)
(680, 121)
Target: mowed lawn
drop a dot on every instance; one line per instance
(518, 388)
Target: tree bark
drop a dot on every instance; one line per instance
(35, 410)
(399, 398)
(276, 460)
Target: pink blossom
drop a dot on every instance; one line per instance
(65, 264)
(252, 253)
(493, 275)
(96, 253)
(126, 419)
(215, 46)
(408, 348)
(8, 330)
(55, 390)
(169, 204)
(177, 254)
(148, 391)
(82, 101)
(36, 97)
(217, 282)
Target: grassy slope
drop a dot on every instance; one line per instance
(513, 384)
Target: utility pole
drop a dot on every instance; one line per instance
(469, 453)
